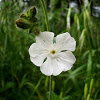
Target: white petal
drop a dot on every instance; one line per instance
(46, 67)
(57, 67)
(65, 42)
(67, 66)
(36, 49)
(45, 37)
(38, 60)
(67, 58)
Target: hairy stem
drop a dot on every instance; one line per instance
(45, 14)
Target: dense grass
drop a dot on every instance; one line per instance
(21, 80)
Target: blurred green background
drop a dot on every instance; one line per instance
(22, 80)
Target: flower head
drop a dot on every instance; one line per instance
(53, 54)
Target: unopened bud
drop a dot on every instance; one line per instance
(28, 20)
(23, 15)
(23, 24)
(35, 30)
(33, 11)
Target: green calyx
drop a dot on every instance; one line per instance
(22, 23)
(28, 20)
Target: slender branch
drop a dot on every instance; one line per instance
(45, 14)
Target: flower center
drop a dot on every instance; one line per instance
(53, 52)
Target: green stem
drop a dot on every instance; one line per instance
(50, 88)
(45, 14)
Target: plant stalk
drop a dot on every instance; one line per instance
(45, 14)
(50, 88)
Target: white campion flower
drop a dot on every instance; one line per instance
(53, 54)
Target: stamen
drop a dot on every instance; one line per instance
(53, 52)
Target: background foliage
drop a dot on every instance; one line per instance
(21, 80)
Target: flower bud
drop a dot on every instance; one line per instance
(29, 14)
(35, 30)
(23, 15)
(33, 11)
(21, 23)
(28, 20)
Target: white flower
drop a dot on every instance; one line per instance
(53, 54)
